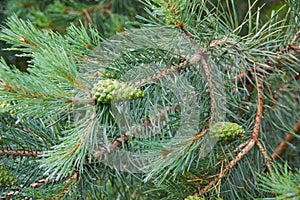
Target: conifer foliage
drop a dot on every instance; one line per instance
(192, 104)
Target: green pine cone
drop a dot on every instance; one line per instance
(103, 73)
(107, 91)
(4, 104)
(227, 131)
(194, 198)
(4, 108)
(198, 198)
(6, 178)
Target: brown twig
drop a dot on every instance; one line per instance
(264, 153)
(296, 37)
(283, 146)
(238, 157)
(260, 104)
(38, 183)
(24, 40)
(162, 74)
(251, 142)
(41, 182)
(20, 153)
(87, 15)
(106, 9)
(202, 57)
(241, 146)
(69, 183)
(117, 143)
(199, 135)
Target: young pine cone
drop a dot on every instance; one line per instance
(227, 131)
(107, 91)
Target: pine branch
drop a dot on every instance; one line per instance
(242, 67)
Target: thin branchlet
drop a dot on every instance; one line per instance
(254, 139)
(20, 153)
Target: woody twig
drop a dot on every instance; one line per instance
(146, 125)
(254, 140)
(20, 153)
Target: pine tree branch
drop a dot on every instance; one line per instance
(284, 86)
